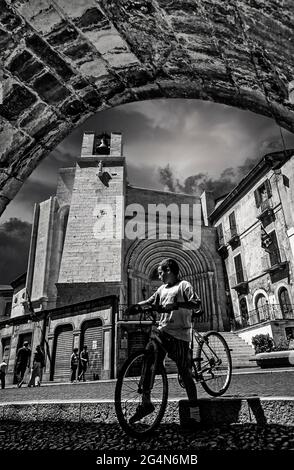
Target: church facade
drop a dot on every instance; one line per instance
(95, 248)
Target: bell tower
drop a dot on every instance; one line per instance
(92, 262)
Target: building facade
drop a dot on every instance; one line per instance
(95, 248)
(255, 227)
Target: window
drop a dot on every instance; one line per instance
(102, 144)
(232, 222)
(239, 269)
(261, 307)
(274, 253)
(220, 234)
(284, 301)
(263, 193)
(8, 307)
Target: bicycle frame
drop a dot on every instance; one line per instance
(200, 340)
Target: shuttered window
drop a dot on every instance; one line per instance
(239, 269)
(274, 253)
(63, 352)
(93, 339)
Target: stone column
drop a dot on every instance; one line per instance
(216, 321)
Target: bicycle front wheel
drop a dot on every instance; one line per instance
(128, 395)
(214, 364)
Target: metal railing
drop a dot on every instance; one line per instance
(276, 257)
(268, 312)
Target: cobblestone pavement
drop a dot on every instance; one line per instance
(168, 438)
(261, 383)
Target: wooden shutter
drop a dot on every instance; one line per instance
(239, 268)
(257, 198)
(220, 234)
(93, 339)
(268, 188)
(63, 351)
(274, 252)
(232, 220)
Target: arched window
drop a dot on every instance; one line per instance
(244, 312)
(262, 308)
(284, 301)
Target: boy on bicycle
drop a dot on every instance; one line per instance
(175, 299)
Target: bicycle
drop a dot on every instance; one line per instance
(211, 364)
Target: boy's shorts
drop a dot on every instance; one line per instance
(177, 349)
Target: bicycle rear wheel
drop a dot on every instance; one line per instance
(128, 395)
(214, 364)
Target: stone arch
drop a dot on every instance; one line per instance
(196, 266)
(64, 61)
(261, 302)
(284, 301)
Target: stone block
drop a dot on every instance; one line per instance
(278, 411)
(50, 89)
(40, 13)
(21, 412)
(78, 50)
(92, 18)
(2, 412)
(25, 66)
(8, 18)
(62, 34)
(18, 100)
(37, 120)
(59, 412)
(49, 56)
(98, 412)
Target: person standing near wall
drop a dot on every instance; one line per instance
(22, 362)
(74, 362)
(37, 369)
(84, 360)
(3, 368)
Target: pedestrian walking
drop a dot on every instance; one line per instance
(3, 368)
(74, 362)
(23, 357)
(37, 368)
(84, 361)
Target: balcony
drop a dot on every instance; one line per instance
(268, 312)
(233, 237)
(239, 281)
(275, 264)
(266, 212)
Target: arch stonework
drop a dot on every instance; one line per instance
(64, 61)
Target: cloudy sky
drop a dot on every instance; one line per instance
(191, 136)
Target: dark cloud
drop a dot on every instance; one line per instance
(14, 249)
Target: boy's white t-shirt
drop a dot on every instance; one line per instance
(176, 323)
